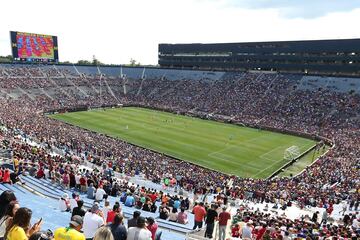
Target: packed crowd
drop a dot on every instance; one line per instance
(264, 225)
(264, 100)
(95, 224)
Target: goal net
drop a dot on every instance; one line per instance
(291, 153)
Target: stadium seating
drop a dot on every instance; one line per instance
(45, 188)
(324, 107)
(337, 84)
(47, 207)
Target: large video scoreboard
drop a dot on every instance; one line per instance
(31, 47)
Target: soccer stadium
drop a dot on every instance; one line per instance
(243, 140)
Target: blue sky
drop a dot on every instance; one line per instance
(117, 30)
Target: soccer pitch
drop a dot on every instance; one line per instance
(242, 151)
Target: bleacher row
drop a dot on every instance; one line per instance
(135, 72)
(337, 84)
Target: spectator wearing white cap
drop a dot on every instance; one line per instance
(64, 203)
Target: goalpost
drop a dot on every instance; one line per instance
(291, 153)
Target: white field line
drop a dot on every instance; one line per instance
(236, 163)
(266, 168)
(237, 146)
(273, 163)
(221, 150)
(263, 156)
(214, 154)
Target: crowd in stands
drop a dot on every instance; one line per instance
(263, 100)
(263, 225)
(91, 224)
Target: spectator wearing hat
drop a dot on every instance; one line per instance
(140, 232)
(93, 220)
(64, 203)
(72, 232)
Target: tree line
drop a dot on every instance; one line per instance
(93, 62)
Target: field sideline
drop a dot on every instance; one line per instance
(228, 148)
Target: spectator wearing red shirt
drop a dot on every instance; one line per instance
(261, 232)
(152, 227)
(40, 173)
(6, 177)
(153, 197)
(224, 216)
(199, 214)
(111, 214)
(235, 231)
(1, 174)
(83, 184)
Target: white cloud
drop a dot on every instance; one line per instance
(116, 31)
(297, 8)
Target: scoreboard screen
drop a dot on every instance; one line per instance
(31, 47)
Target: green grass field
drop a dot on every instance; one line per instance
(228, 148)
